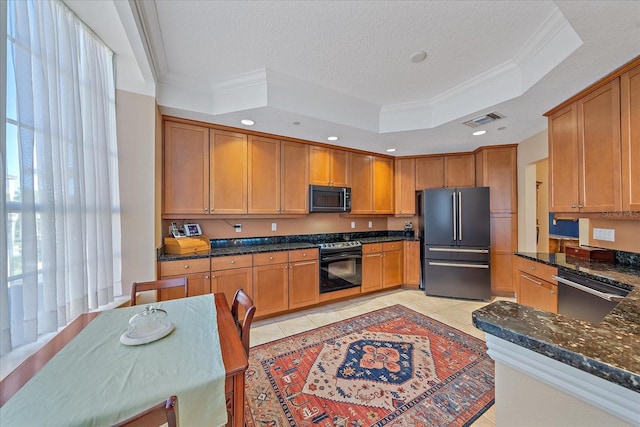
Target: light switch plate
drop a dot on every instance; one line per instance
(274, 226)
(353, 224)
(605, 234)
(370, 224)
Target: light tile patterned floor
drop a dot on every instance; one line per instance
(456, 313)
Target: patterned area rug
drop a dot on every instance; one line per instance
(390, 367)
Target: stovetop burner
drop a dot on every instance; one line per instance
(339, 245)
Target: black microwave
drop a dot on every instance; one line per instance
(329, 199)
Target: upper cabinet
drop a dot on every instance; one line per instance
(450, 170)
(630, 135)
(227, 172)
(329, 166)
(185, 170)
(594, 146)
(405, 183)
(496, 168)
(371, 184)
(278, 176)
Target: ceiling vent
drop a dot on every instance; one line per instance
(483, 120)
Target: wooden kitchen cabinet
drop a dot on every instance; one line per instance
(392, 265)
(459, 170)
(230, 273)
(197, 272)
(412, 263)
(535, 284)
(585, 153)
(329, 166)
(371, 184)
(630, 136)
(227, 172)
(304, 277)
(372, 271)
(278, 176)
(185, 171)
(271, 282)
(405, 187)
(429, 172)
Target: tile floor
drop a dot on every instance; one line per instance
(455, 313)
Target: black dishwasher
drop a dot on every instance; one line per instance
(586, 298)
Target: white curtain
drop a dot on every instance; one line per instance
(61, 210)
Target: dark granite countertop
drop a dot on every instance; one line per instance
(609, 349)
(227, 247)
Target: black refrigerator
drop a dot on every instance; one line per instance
(455, 234)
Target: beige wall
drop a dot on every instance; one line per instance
(530, 151)
(627, 233)
(136, 124)
(542, 178)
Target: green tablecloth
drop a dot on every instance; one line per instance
(96, 380)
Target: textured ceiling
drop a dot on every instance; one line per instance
(343, 68)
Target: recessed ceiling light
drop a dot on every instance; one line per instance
(418, 56)
(479, 132)
(332, 138)
(247, 122)
(391, 150)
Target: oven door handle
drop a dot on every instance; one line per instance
(603, 295)
(340, 257)
(460, 265)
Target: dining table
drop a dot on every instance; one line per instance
(89, 375)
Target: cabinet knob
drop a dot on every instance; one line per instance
(580, 206)
(270, 257)
(304, 254)
(233, 261)
(533, 267)
(186, 266)
(573, 206)
(206, 277)
(213, 277)
(206, 209)
(552, 292)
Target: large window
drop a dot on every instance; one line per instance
(59, 159)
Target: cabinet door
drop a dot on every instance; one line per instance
(392, 268)
(382, 185)
(340, 168)
(270, 288)
(294, 171)
(460, 170)
(563, 160)
(371, 272)
(599, 150)
(197, 284)
(319, 165)
(185, 169)
(405, 183)
(496, 168)
(630, 104)
(304, 286)
(412, 263)
(229, 281)
(537, 293)
(264, 175)
(361, 184)
(228, 172)
(504, 241)
(429, 172)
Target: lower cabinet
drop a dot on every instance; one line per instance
(285, 280)
(304, 285)
(535, 285)
(230, 273)
(197, 272)
(412, 263)
(382, 265)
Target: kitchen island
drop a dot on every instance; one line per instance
(556, 370)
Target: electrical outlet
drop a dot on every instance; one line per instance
(605, 234)
(353, 224)
(274, 226)
(238, 228)
(370, 224)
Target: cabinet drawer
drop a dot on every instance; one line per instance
(537, 269)
(187, 266)
(371, 248)
(228, 262)
(270, 258)
(391, 246)
(302, 255)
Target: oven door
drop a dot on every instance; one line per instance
(340, 271)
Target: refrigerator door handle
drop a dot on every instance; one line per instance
(460, 214)
(475, 251)
(451, 264)
(453, 211)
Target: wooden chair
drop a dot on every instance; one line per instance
(157, 285)
(163, 413)
(241, 299)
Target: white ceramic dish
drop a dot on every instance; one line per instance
(146, 333)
